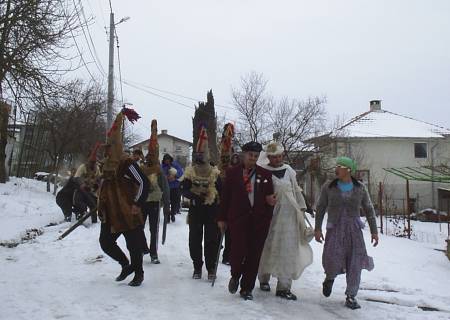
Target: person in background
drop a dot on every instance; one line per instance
(137, 156)
(173, 172)
(344, 250)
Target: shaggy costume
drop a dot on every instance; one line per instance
(226, 154)
(287, 251)
(159, 193)
(123, 185)
(345, 250)
(201, 184)
(248, 215)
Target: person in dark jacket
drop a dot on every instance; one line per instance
(173, 172)
(201, 184)
(123, 191)
(247, 202)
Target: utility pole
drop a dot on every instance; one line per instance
(110, 101)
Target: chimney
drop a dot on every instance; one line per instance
(163, 131)
(375, 105)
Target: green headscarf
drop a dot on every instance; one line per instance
(347, 162)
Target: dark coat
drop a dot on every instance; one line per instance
(235, 205)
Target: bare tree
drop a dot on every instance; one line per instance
(253, 104)
(32, 36)
(74, 119)
(294, 122)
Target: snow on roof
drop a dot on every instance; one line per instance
(386, 124)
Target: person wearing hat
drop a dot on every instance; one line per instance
(247, 202)
(286, 252)
(159, 194)
(344, 249)
(201, 185)
(87, 175)
(173, 171)
(123, 190)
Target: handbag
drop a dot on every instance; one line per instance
(308, 233)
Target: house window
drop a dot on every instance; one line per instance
(420, 150)
(178, 149)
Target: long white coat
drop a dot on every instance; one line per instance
(286, 252)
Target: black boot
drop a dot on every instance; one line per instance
(126, 271)
(233, 285)
(137, 280)
(246, 295)
(197, 274)
(155, 260)
(264, 286)
(327, 287)
(286, 294)
(211, 276)
(352, 303)
(172, 218)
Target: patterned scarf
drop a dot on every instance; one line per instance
(247, 175)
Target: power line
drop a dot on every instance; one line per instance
(120, 69)
(102, 72)
(167, 99)
(178, 95)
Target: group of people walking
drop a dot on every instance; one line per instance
(254, 199)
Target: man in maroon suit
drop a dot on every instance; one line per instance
(246, 210)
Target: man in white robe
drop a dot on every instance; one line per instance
(287, 251)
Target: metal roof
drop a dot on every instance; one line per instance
(426, 173)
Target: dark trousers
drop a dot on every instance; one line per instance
(248, 238)
(133, 239)
(175, 199)
(151, 210)
(64, 201)
(82, 200)
(203, 229)
(227, 248)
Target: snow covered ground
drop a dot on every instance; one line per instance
(50, 279)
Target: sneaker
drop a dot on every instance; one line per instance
(327, 287)
(155, 260)
(233, 285)
(264, 287)
(286, 294)
(137, 280)
(246, 295)
(197, 274)
(126, 271)
(352, 303)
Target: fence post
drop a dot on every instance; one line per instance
(408, 209)
(380, 205)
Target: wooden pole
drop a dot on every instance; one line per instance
(408, 209)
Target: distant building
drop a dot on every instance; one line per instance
(178, 148)
(379, 139)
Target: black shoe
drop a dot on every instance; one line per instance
(226, 262)
(68, 219)
(327, 287)
(211, 276)
(137, 280)
(352, 303)
(286, 294)
(264, 287)
(145, 250)
(172, 218)
(155, 260)
(126, 271)
(233, 285)
(197, 274)
(246, 295)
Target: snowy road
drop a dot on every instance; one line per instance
(49, 279)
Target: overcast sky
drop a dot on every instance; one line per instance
(351, 51)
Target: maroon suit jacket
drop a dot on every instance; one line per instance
(235, 204)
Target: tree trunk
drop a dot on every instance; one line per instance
(4, 113)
